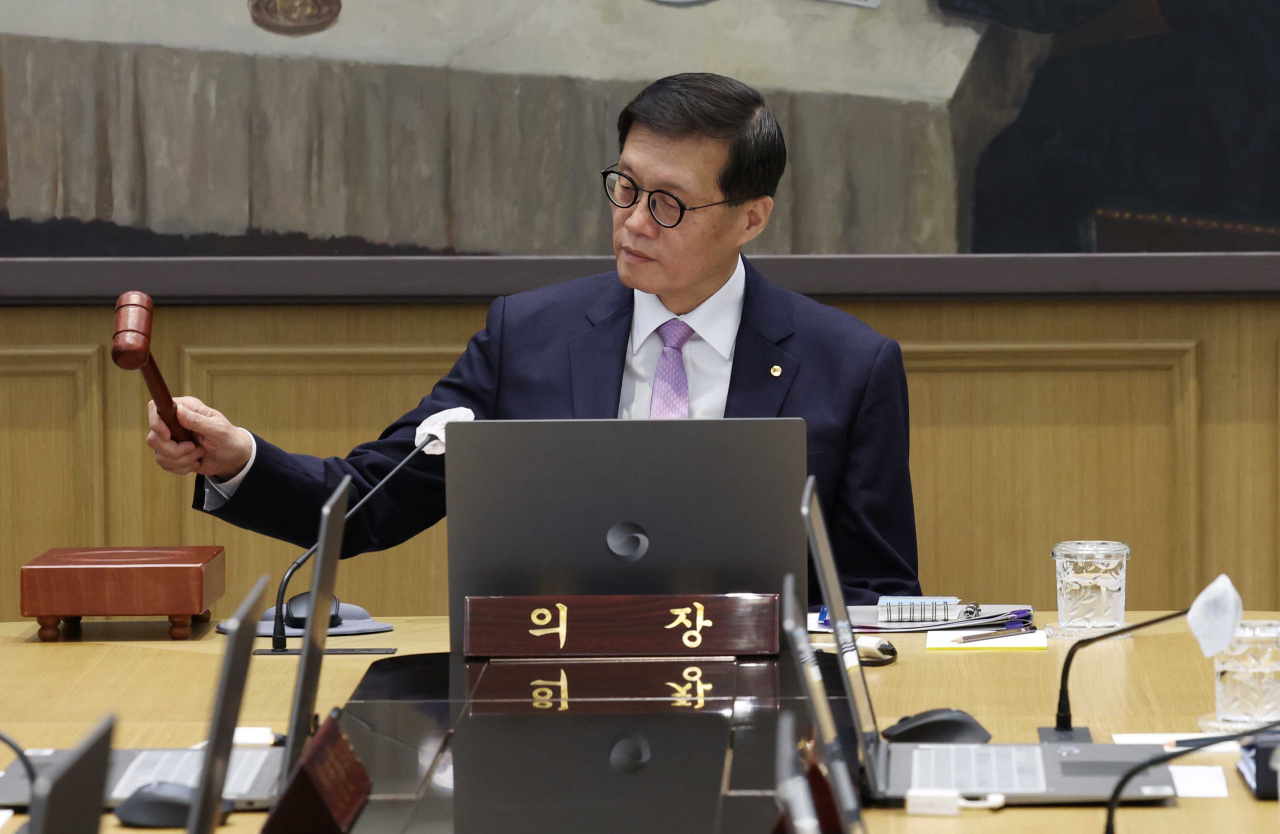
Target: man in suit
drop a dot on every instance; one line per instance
(685, 327)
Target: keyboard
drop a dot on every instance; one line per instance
(183, 767)
(979, 768)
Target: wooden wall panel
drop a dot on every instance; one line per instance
(51, 456)
(1033, 420)
(1016, 446)
(323, 401)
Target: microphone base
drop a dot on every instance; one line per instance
(1076, 735)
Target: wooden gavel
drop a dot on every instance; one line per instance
(131, 350)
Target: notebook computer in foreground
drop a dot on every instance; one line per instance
(250, 775)
(1026, 774)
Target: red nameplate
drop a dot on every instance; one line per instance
(694, 625)
(326, 791)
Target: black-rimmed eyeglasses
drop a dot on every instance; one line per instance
(667, 209)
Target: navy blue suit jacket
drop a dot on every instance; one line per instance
(558, 352)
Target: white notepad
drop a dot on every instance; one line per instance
(942, 640)
(1201, 781)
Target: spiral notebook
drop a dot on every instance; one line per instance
(924, 609)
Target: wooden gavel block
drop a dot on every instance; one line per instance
(65, 584)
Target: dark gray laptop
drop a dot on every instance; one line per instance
(215, 768)
(1027, 774)
(623, 507)
(68, 797)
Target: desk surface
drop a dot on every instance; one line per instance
(161, 692)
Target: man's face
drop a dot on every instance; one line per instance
(686, 264)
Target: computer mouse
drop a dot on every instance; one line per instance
(297, 608)
(162, 805)
(939, 726)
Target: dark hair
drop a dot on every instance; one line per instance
(704, 104)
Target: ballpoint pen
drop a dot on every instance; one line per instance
(1008, 631)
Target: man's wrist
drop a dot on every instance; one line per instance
(249, 452)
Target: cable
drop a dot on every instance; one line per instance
(278, 643)
(1190, 747)
(1063, 723)
(22, 757)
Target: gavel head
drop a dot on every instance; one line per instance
(131, 345)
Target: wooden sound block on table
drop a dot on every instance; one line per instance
(65, 584)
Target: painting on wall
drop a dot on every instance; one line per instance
(453, 127)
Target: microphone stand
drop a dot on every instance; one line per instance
(1185, 747)
(278, 644)
(1063, 731)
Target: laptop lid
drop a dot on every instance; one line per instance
(226, 710)
(68, 798)
(855, 683)
(324, 572)
(829, 749)
(623, 507)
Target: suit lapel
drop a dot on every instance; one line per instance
(596, 356)
(766, 328)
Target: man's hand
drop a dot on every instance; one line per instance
(223, 449)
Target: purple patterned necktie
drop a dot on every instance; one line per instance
(670, 384)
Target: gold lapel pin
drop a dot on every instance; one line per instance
(776, 370)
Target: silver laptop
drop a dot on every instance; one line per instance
(623, 507)
(68, 796)
(250, 776)
(1027, 774)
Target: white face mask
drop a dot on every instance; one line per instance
(1215, 616)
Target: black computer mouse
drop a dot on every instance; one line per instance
(297, 608)
(162, 805)
(939, 726)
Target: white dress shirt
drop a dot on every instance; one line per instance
(708, 355)
(708, 363)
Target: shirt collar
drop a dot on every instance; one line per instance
(715, 320)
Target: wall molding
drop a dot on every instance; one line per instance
(1179, 358)
(83, 363)
(201, 366)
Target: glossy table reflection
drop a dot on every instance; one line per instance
(399, 713)
(637, 746)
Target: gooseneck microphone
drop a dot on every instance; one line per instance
(1184, 747)
(1063, 731)
(278, 643)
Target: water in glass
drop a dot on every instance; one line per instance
(1247, 675)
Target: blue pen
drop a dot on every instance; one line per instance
(823, 619)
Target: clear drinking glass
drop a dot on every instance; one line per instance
(1246, 679)
(1091, 580)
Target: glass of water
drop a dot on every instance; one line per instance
(1091, 579)
(1246, 679)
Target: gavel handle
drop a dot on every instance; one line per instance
(164, 402)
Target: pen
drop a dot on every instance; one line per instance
(993, 635)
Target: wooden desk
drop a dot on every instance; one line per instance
(162, 692)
